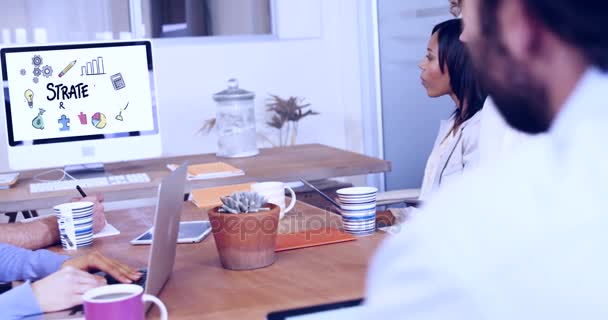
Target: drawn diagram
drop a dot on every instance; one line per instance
(83, 118)
(37, 62)
(93, 68)
(118, 82)
(99, 120)
(65, 122)
(47, 71)
(38, 121)
(23, 72)
(67, 68)
(29, 96)
(119, 116)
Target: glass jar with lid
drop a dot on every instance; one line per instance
(235, 122)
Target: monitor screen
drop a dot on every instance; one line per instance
(79, 104)
(64, 93)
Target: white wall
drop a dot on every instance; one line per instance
(324, 69)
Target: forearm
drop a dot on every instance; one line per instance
(22, 264)
(33, 235)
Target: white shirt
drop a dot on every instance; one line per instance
(432, 165)
(496, 138)
(523, 239)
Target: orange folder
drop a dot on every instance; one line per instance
(213, 170)
(210, 168)
(210, 197)
(311, 238)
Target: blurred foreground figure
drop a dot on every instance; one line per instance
(522, 238)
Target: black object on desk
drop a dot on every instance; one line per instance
(282, 315)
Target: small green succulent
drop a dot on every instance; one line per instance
(243, 202)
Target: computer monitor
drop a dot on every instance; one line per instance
(76, 104)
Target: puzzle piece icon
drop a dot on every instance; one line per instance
(64, 121)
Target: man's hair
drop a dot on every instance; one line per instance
(454, 56)
(580, 23)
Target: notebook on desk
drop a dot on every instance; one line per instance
(212, 170)
(210, 197)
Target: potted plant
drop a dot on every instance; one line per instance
(245, 231)
(286, 117)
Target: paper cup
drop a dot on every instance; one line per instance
(358, 209)
(75, 221)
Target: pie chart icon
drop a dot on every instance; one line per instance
(99, 120)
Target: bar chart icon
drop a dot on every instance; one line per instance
(93, 68)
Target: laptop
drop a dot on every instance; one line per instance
(166, 228)
(164, 243)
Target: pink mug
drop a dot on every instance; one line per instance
(119, 301)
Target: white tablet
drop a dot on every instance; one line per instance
(189, 232)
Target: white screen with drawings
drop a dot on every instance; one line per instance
(80, 92)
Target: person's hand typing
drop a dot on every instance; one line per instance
(97, 262)
(64, 288)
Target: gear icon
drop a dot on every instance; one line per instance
(35, 79)
(23, 72)
(47, 71)
(37, 60)
(37, 72)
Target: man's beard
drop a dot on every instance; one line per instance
(519, 96)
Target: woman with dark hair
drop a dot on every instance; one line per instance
(447, 70)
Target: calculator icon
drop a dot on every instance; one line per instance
(117, 81)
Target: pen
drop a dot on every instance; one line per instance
(66, 69)
(84, 195)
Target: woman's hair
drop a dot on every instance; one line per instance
(453, 55)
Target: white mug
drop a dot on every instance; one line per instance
(274, 192)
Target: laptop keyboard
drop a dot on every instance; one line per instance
(141, 282)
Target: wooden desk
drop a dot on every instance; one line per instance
(200, 288)
(312, 162)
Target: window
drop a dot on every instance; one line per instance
(45, 21)
(52, 21)
(192, 18)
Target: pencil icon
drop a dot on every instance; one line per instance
(67, 68)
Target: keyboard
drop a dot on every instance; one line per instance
(141, 282)
(110, 180)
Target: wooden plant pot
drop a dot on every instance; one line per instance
(246, 241)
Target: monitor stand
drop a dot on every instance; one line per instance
(83, 171)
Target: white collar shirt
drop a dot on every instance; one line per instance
(521, 239)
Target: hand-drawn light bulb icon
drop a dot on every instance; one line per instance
(29, 96)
